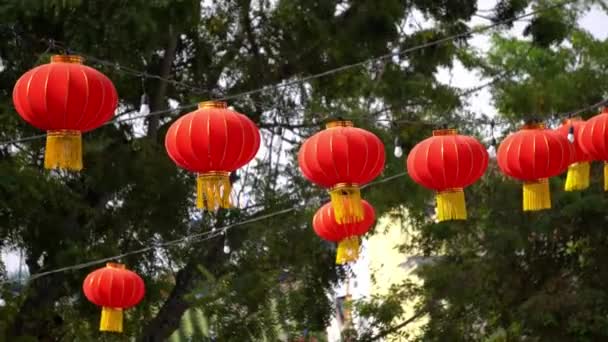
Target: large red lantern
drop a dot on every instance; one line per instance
(347, 234)
(578, 171)
(532, 155)
(593, 138)
(342, 158)
(448, 162)
(114, 288)
(64, 98)
(212, 141)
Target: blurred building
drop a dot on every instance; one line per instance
(380, 266)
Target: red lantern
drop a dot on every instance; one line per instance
(342, 158)
(64, 98)
(346, 235)
(578, 171)
(448, 162)
(593, 138)
(532, 155)
(212, 141)
(114, 288)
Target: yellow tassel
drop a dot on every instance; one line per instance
(213, 190)
(348, 250)
(63, 150)
(578, 177)
(111, 320)
(605, 176)
(537, 195)
(346, 203)
(451, 205)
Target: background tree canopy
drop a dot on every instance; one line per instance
(534, 275)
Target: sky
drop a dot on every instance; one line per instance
(595, 21)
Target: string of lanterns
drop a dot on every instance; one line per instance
(214, 140)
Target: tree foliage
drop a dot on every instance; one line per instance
(506, 275)
(130, 195)
(525, 275)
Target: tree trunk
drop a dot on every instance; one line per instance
(169, 316)
(159, 100)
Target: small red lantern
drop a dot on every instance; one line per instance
(448, 162)
(578, 171)
(346, 235)
(593, 138)
(532, 155)
(212, 141)
(342, 158)
(64, 98)
(114, 288)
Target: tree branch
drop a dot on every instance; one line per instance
(170, 314)
(246, 21)
(399, 326)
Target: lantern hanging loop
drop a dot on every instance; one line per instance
(492, 136)
(398, 152)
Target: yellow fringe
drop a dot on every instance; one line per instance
(451, 205)
(111, 320)
(578, 177)
(348, 250)
(346, 203)
(63, 150)
(213, 190)
(537, 195)
(605, 176)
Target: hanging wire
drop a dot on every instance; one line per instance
(130, 71)
(137, 73)
(298, 81)
(200, 237)
(400, 52)
(212, 234)
(467, 92)
(188, 239)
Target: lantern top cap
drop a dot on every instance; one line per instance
(212, 104)
(533, 125)
(447, 131)
(115, 265)
(339, 123)
(67, 59)
(572, 119)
